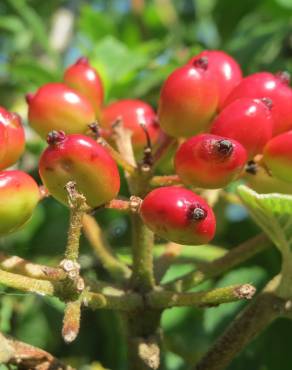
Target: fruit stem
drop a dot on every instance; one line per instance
(93, 233)
(166, 299)
(123, 140)
(165, 142)
(167, 180)
(217, 267)
(256, 317)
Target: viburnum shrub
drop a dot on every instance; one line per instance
(228, 131)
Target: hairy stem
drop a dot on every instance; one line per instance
(231, 259)
(255, 318)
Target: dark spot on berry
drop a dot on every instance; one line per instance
(56, 137)
(251, 168)
(268, 102)
(224, 147)
(50, 169)
(93, 156)
(201, 63)
(196, 212)
(66, 165)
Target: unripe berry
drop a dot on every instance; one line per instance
(267, 85)
(19, 195)
(247, 120)
(15, 139)
(133, 113)
(188, 100)
(257, 178)
(81, 159)
(278, 156)
(179, 215)
(57, 107)
(82, 77)
(224, 69)
(209, 161)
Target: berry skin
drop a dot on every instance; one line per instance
(57, 107)
(209, 161)
(266, 85)
(188, 100)
(278, 156)
(15, 139)
(249, 121)
(133, 113)
(81, 159)
(83, 78)
(257, 178)
(179, 215)
(224, 69)
(19, 195)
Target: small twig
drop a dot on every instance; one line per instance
(118, 300)
(231, 259)
(21, 266)
(119, 205)
(168, 299)
(251, 322)
(123, 140)
(93, 233)
(71, 320)
(25, 356)
(165, 180)
(165, 142)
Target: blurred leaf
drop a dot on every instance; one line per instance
(273, 213)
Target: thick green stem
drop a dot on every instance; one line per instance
(233, 258)
(143, 276)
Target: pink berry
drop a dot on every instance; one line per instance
(81, 159)
(224, 69)
(209, 161)
(188, 100)
(247, 120)
(83, 78)
(133, 113)
(266, 85)
(57, 107)
(179, 215)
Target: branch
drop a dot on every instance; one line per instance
(168, 299)
(121, 301)
(25, 356)
(24, 267)
(253, 320)
(93, 233)
(231, 259)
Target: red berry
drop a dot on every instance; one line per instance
(267, 85)
(57, 107)
(209, 161)
(19, 195)
(133, 113)
(278, 156)
(224, 69)
(82, 77)
(81, 159)
(15, 139)
(179, 215)
(188, 100)
(247, 120)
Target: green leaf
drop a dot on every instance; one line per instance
(273, 213)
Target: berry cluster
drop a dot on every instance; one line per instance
(228, 127)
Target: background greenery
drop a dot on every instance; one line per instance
(134, 45)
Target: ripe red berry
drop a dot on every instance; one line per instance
(278, 156)
(15, 139)
(188, 100)
(224, 69)
(179, 215)
(133, 113)
(57, 107)
(209, 161)
(82, 77)
(267, 85)
(19, 195)
(81, 159)
(247, 120)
